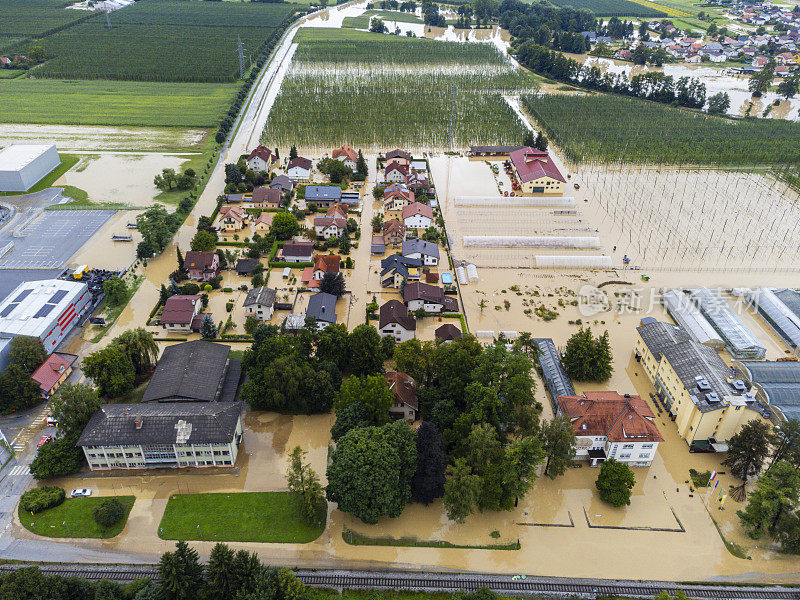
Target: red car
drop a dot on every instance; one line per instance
(44, 440)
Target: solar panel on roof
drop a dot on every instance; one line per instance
(44, 311)
(22, 295)
(7, 310)
(57, 297)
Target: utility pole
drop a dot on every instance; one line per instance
(108, 21)
(240, 50)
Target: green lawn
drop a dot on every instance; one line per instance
(74, 519)
(237, 517)
(147, 104)
(362, 21)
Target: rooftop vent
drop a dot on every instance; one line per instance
(139, 422)
(739, 385)
(712, 397)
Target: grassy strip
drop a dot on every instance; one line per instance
(238, 517)
(67, 162)
(73, 519)
(112, 313)
(359, 539)
(734, 548)
(387, 16)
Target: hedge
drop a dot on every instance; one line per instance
(39, 499)
(298, 265)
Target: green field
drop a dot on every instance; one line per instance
(609, 128)
(612, 8)
(163, 40)
(237, 517)
(362, 21)
(53, 101)
(24, 18)
(73, 519)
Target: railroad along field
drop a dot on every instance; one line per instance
(376, 91)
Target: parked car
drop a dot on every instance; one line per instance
(80, 493)
(44, 440)
(51, 422)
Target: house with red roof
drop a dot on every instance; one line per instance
(53, 372)
(263, 223)
(326, 263)
(232, 218)
(347, 155)
(608, 425)
(404, 404)
(299, 169)
(182, 313)
(536, 172)
(399, 157)
(417, 216)
(201, 265)
(396, 196)
(261, 159)
(395, 171)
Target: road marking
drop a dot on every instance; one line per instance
(19, 470)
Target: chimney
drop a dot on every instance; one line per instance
(139, 422)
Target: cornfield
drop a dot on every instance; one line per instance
(616, 8)
(23, 18)
(608, 128)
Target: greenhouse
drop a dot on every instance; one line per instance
(739, 340)
(785, 323)
(530, 241)
(555, 378)
(688, 316)
(556, 261)
(791, 299)
(777, 382)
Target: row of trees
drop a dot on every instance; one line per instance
(17, 390)
(157, 227)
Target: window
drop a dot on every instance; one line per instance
(625, 455)
(644, 455)
(626, 446)
(647, 445)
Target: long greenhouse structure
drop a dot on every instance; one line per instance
(785, 323)
(555, 378)
(688, 316)
(739, 340)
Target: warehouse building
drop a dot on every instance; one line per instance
(46, 309)
(24, 165)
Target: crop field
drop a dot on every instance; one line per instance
(603, 128)
(54, 101)
(163, 40)
(24, 18)
(362, 21)
(394, 91)
(616, 8)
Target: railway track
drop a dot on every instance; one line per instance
(547, 587)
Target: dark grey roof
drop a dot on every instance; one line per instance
(115, 424)
(246, 265)
(260, 295)
(230, 387)
(322, 306)
(414, 245)
(400, 263)
(395, 311)
(555, 378)
(780, 382)
(283, 182)
(323, 192)
(791, 299)
(494, 149)
(189, 371)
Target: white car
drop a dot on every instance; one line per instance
(81, 493)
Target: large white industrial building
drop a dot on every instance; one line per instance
(23, 165)
(46, 309)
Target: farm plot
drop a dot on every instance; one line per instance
(362, 21)
(164, 40)
(614, 8)
(612, 128)
(25, 18)
(415, 97)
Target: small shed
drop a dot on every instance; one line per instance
(287, 272)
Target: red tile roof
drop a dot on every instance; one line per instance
(327, 221)
(532, 164)
(262, 152)
(345, 152)
(397, 153)
(611, 415)
(234, 212)
(265, 218)
(301, 162)
(395, 167)
(327, 263)
(417, 208)
(402, 387)
(199, 260)
(52, 369)
(395, 311)
(337, 210)
(423, 291)
(179, 310)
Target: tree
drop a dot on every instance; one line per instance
(166, 180)
(361, 164)
(220, 573)
(112, 371)
(180, 573)
(364, 345)
(587, 358)
(144, 250)
(344, 244)
(428, 482)
(157, 227)
(761, 80)
(57, 458)
(140, 346)
(643, 27)
(719, 103)
(541, 142)
(370, 471)
(180, 260)
(615, 483)
(351, 417)
(776, 495)
(558, 442)
(289, 384)
(115, 290)
(788, 87)
(785, 442)
(72, 406)
(284, 225)
(108, 513)
(528, 139)
(376, 25)
(332, 283)
(304, 483)
(293, 152)
(208, 330)
(26, 352)
(461, 490)
(747, 449)
(204, 241)
(17, 389)
(372, 391)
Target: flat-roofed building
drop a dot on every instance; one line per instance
(24, 165)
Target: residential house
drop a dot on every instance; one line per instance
(396, 197)
(245, 266)
(323, 195)
(299, 169)
(347, 155)
(322, 307)
(417, 181)
(263, 223)
(394, 232)
(417, 216)
(536, 172)
(326, 263)
(395, 172)
(296, 252)
(378, 245)
(155, 436)
(264, 197)
(395, 321)
(448, 333)
(396, 156)
(282, 183)
(607, 425)
(182, 313)
(333, 224)
(427, 252)
(261, 159)
(404, 404)
(396, 269)
(260, 303)
(431, 298)
(201, 265)
(232, 218)
(53, 372)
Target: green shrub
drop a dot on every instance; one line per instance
(108, 513)
(42, 498)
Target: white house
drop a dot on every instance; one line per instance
(395, 172)
(607, 425)
(260, 303)
(347, 155)
(427, 252)
(428, 297)
(417, 216)
(299, 169)
(260, 159)
(395, 321)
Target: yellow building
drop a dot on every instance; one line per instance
(536, 172)
(706, 403)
